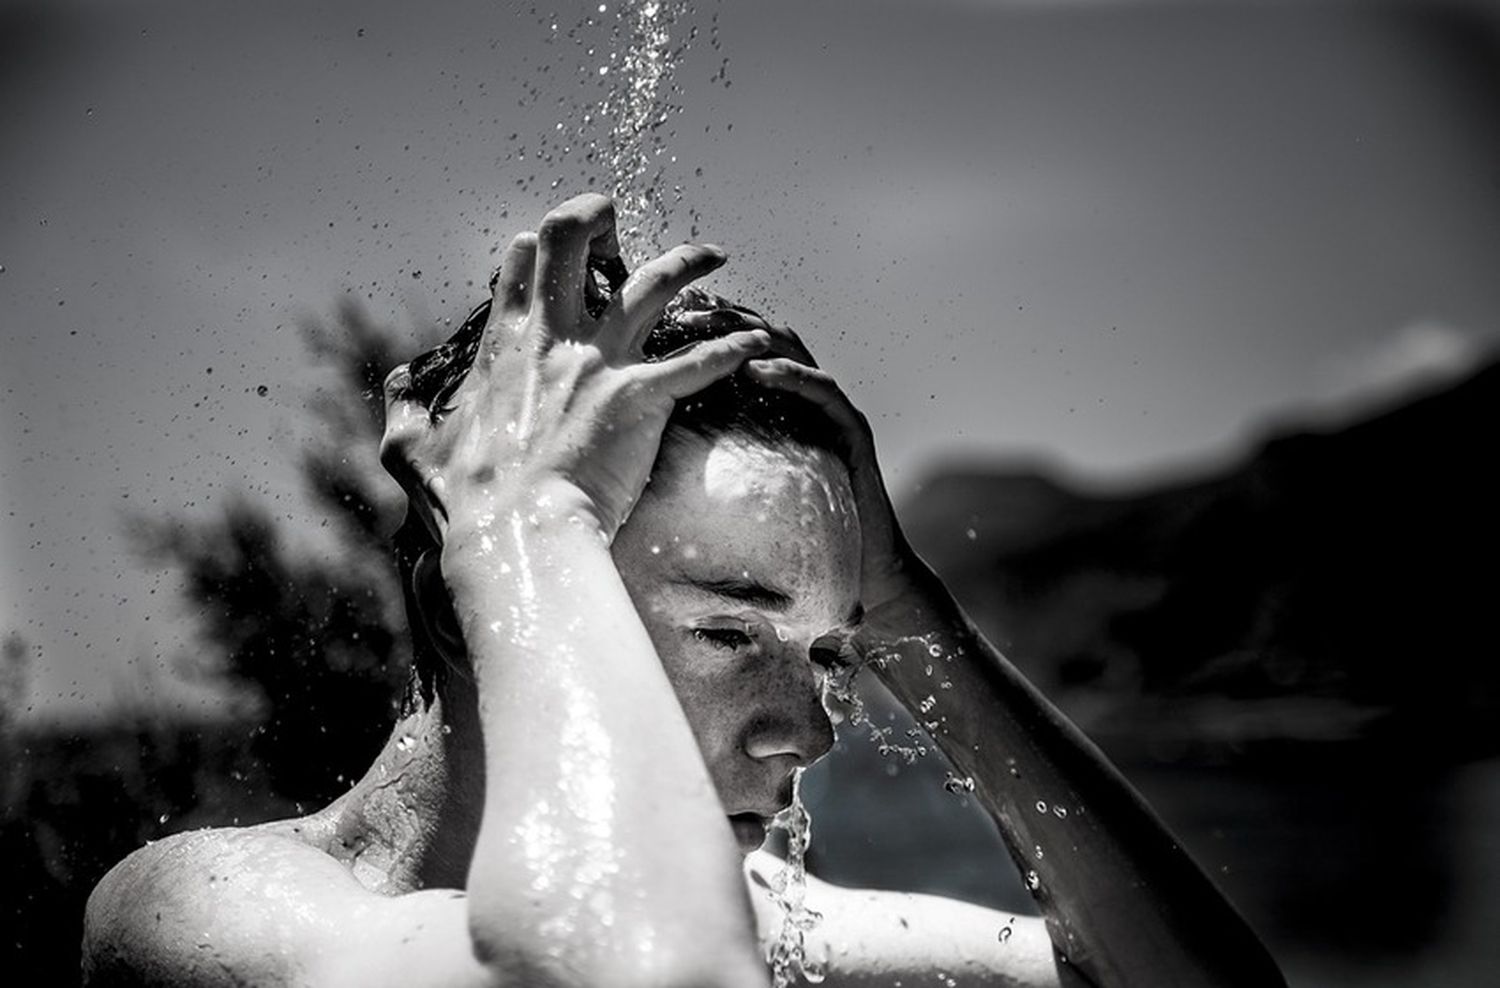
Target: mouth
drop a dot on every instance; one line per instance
(749, 830)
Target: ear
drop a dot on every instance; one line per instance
(435, 607)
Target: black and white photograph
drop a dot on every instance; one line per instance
(749, 493)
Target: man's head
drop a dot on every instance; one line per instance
(742, 557)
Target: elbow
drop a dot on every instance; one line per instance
(579, 966)
(559, 973)
(687, 976)
(519, 940)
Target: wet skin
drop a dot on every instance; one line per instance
(554, 813)
(743, 562)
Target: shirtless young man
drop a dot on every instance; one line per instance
(618, 679)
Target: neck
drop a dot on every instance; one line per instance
(412, 820)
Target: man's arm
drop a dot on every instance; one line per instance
(1124, 903)
(603, 855)
(603, 847)
(873, 938)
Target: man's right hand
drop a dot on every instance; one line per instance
(560, 410)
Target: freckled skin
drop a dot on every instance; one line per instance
(783, 516)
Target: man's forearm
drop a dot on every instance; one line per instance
(603, 850)
(1124, 902)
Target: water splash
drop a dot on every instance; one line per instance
(787, 954)
(958, 784)
(638, 104)
(619, 131)
(839, 688)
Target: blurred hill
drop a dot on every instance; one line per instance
(1335, 586)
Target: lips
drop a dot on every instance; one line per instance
(749, 830)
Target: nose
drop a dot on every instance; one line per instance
(793, 724)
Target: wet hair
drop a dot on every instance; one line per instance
(734, 405)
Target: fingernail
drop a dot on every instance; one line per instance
(716, 252)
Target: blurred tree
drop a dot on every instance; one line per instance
(312, 631)
(15, 674)
(317, 637)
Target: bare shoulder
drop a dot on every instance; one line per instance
(182, 909)
(873, 937)
(251, 906)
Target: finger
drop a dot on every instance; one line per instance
(511, 284)
(648, 290)
(784, 342)
(814, 385)
(696, 367)
(581, 226)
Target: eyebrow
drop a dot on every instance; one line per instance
(741, 589)
(754, 592)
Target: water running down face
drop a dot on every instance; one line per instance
(742, 559)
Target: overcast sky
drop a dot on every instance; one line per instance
(1115, 236)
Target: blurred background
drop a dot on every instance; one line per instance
(1176, 323)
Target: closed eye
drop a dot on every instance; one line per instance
(723, 638)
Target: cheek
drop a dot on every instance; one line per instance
(706, 688)
(722, 695)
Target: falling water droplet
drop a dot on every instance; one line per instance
(787, 954)
(958, 785)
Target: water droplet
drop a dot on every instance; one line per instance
(1037, 850)
(971, 534)
(787, 954)
(958, 785)
(1041, 806)
(1061, 812)
(1033, 880)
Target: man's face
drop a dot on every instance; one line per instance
(742, 559)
